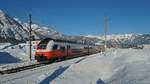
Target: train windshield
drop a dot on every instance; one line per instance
(55, 47)
(43, 44)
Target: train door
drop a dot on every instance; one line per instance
(55, 51)
(63, 51)
(68, 50)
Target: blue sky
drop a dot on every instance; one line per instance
(82, 17)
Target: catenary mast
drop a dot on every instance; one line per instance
(30, 44)
(105, 31)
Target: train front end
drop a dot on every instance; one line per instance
(43, 50)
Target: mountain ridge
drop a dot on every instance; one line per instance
(15, 31)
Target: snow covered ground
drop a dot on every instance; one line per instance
(121, 66)
(118, 66)
(13, 52)
(13, 56)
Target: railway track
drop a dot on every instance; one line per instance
(22, 68)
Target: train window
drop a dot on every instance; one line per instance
(42, 46)
(68, 46)
(85, 47)
(55, 47)
(62, 49)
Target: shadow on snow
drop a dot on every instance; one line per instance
(54, 75)
(79, 60)
(6, 58)
(99, 81)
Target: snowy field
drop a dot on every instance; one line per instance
(118, 66)
(13, 56)
(12, 53)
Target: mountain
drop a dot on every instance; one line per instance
(41, 32)
(120, 40)
(14, 31)
(11, 30)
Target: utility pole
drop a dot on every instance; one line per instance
(30, 30)
(105, 31)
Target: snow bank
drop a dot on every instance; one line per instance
(13, 56)
(118, 66)
(147, 46)
(15, 65)
(16, 51)
(4, 45)
(121, 66)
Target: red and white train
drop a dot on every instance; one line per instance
(50, 49)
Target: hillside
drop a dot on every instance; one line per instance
(14, 31)
(118, 40)
(11, 30)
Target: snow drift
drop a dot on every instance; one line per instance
(121, 66)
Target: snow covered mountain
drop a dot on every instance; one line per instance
(124, 39)
(14, 31)
(41, 32)
(10, 29)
